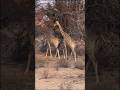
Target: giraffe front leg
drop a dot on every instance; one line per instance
(58, 53)
(46, 53)
(50, 52)
(71, 53)
(50, 49)
(74, 53)
(63, 53)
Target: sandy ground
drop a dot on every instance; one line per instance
(49, 77)
(64, 78)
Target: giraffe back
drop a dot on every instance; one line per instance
(69, 41)
(55, 41)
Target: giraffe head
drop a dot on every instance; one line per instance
(43, 21)
(56, 23)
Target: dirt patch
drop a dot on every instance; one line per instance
(64, 78)
(49, 75)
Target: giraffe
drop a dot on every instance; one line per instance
(52, 40)
(67, 40)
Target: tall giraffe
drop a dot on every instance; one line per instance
(67, 39)
(52, 40)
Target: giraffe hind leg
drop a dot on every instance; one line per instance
(65, 50)
(74, 53)
(46, 52)
(58, 53)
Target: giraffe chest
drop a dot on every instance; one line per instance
(54, 41)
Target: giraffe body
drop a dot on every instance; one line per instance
(52, 40)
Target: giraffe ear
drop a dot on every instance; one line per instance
(57, 22)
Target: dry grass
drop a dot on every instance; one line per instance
(45, 74)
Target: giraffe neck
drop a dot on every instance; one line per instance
(69, 41)
(60, 28)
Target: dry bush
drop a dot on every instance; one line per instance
(63, 63)
(45, 74)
